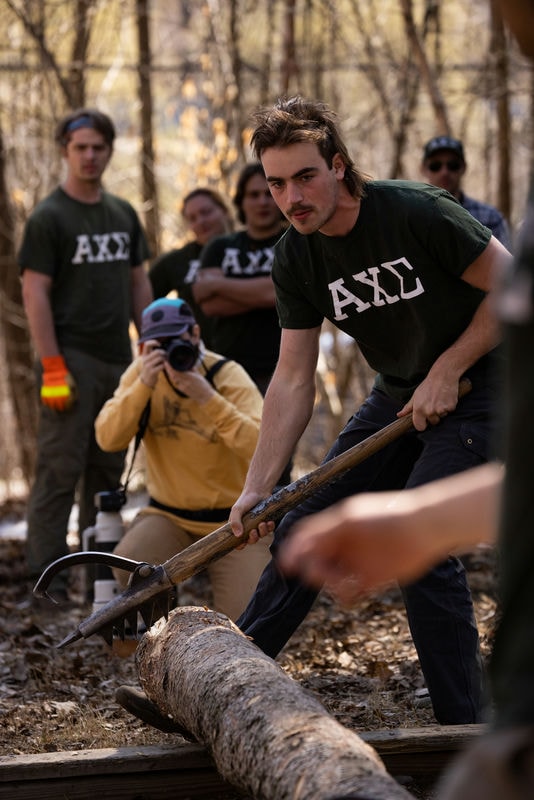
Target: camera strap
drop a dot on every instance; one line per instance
(145, 414)
(141, 428)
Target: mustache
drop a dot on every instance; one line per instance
(297, 207)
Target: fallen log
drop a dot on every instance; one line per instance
(267, 736)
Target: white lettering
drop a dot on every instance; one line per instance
(96, 248)
(84, 251)
(230, 262)
(409, 286)
(377, 289)
(404, 292)
(338, 291)
(102, 241)
(194, 265)
(258, 261)
(123, 245)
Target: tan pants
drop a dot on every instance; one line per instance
(154, 538)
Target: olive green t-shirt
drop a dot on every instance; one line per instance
(393, 282)
(88, 249)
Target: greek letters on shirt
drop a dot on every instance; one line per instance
(259, 262)
(98, 248)
(192, 270)
(407, 284)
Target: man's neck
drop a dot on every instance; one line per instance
(344, 219)
(83, 191)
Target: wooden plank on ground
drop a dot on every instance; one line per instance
(146, 773)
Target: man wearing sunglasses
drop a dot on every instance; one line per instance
(444, 166)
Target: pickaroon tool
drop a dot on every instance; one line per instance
(151, 587)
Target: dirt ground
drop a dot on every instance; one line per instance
(360, 663)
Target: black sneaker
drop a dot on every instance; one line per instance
(137, 703)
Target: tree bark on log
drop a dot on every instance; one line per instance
(267, 735)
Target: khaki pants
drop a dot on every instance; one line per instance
(155, 538)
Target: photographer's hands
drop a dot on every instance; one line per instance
(152, 362)
(190, 383)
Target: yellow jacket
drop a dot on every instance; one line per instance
(196, 456)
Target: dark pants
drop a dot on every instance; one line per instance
(69, 457)
(439, 607)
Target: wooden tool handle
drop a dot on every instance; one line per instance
(216, 544)
(219, 542)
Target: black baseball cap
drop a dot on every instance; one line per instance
(443, 143)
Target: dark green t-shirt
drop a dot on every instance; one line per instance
(88, 249)
(253, 338)
(393, 282)
(175, 271)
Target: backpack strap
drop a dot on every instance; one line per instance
(213, 370)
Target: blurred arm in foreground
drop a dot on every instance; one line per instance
(371, 540)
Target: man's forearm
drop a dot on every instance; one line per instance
(41, 324)
(141, 294)
(237, 293)
(286, 413)
(482, 335)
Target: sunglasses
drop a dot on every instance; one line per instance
(453, 166)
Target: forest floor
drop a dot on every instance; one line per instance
(360, 663)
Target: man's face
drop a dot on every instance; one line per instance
(259, 208)
(87, 155)
(304, 188)
(444, 169)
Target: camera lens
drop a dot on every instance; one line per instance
(181, 355)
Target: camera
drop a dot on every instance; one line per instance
(181, 354)
(110, 501)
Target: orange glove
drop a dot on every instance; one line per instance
(58, 390)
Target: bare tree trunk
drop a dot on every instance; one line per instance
(412, 80)
(36, 32)
(15, 336)
(228, 112)
(267, 736)
(499, 53)
(266, 68)
(148, 179)
(79, 52)
(289, 67)
(438, 103)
